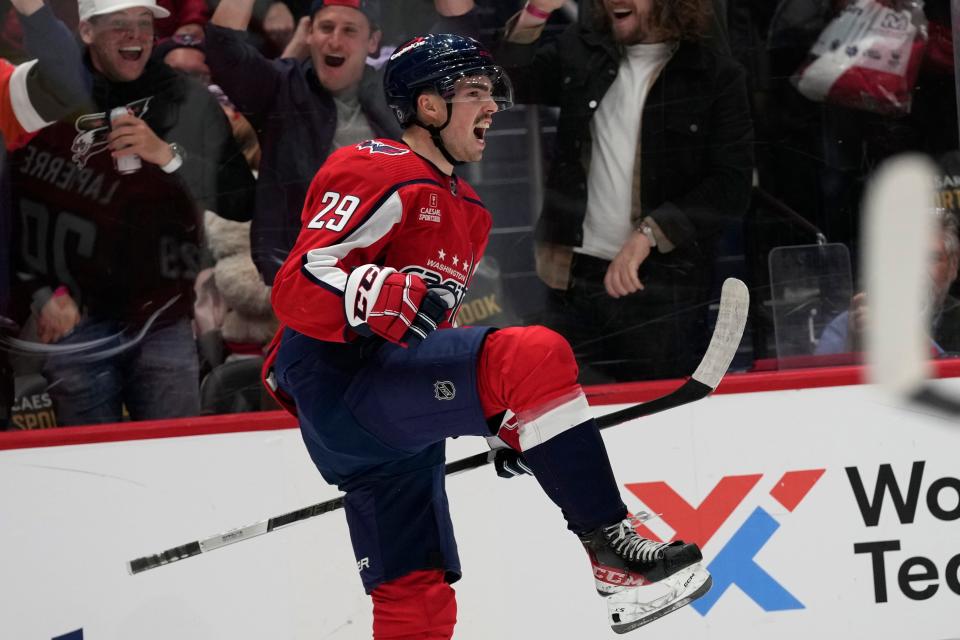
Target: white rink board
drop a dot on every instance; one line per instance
(71, 516)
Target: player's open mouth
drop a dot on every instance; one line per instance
(620, 14)
(131, 53)
(334, 61)
(480, 130)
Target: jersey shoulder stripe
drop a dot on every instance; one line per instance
(311, 270)
(325, 265)
(322, 265)
(23, 108)
(378, 205)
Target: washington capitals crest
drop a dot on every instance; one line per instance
(375, 146)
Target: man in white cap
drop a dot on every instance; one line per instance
(119, 35)
(111, 253)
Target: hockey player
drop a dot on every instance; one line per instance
(369, 362)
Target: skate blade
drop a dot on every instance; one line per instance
(627, 612)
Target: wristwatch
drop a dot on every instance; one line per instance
(179, 155)
(647, 230)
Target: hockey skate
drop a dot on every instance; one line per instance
(640, 579)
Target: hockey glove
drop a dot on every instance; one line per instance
(392, 305)
(507, 460)
(510, 463)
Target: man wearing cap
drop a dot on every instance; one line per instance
(109, 251)
(303, 110)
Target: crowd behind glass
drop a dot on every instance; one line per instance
(630, 179)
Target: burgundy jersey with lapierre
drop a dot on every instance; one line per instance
(378, 203)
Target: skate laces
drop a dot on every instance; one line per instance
(631, 545)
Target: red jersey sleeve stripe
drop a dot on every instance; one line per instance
(24, 110)
(322, 264)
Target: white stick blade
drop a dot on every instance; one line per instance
(731, 320)
(897, 238)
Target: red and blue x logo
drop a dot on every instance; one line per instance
(734, 564)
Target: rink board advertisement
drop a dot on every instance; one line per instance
(830, 513)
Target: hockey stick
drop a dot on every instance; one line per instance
(898, 232)
(731, 320)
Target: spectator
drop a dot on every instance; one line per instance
(243, 131)
(845, 333)
(185, 53)
(32, 96)
(185, 17)
(36, 94)
(109, 257)
(302, 110)
(238, 301)
(653, 161)
(278, 25)
(298, 46)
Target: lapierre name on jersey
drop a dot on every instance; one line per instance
(379, 203)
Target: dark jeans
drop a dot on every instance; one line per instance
(155, 378)
(656, 333)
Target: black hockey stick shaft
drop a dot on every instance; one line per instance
(727, 333)
(197, 547)
(689, 391)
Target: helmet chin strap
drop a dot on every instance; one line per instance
(434, 132)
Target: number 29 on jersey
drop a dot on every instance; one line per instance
(336, 212)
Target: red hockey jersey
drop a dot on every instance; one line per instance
(18, 118)
(378, 203)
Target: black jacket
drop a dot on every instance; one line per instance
(296, 119)
(214, 171)
(696, 137)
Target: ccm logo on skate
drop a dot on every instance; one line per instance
(734, 563)
(619, 578)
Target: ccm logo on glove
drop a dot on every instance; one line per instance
(393, 305)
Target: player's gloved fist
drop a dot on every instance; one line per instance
(392, 305)
(510, 463)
